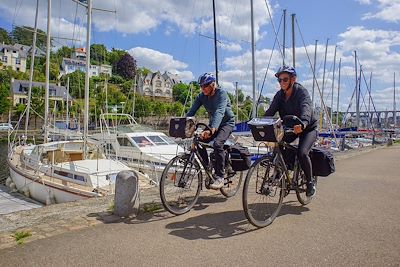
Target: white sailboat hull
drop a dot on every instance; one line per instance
(43, 191)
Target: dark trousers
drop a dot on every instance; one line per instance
(306, 141)
(219, 138)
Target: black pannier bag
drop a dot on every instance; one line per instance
(266, 129)
(182, 127)
(240, 157)
(323, 162)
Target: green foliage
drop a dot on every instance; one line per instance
(180, 92)
(5, 36)
(98, 54)
(24, 35)
(114, 56)
(20, 236)
(116, 79)
(4, 94)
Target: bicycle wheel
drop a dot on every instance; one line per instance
(232, 185)
(263, 192)
(180, 184)
(301, 186)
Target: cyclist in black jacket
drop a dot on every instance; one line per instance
(293, 99)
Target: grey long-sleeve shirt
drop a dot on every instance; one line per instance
(218, 107)
(299, 104)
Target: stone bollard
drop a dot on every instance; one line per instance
(126, 192)
(389, 142)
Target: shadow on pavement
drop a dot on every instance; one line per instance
(224, 224)
(152, 212)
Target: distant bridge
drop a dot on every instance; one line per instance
(378, 118)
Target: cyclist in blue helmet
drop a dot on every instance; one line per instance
(294, 99)
(221, 122)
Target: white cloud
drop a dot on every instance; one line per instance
(388, 10)
(157, 61)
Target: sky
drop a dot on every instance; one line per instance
(177, 36)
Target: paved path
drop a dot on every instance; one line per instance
(354, 221)
(12, 202)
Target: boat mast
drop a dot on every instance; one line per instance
(48, 48)
(215, 44)
(86, 114)
(284, 37)
(321, 117)
(314, 78)
(293, 42)
(31, 70)
(357, 91)
(338, 94)
(394, 99)
(333, 81)
(253, 64)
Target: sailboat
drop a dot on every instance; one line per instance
(63, 171)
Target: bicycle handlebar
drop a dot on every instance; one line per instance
(202, 124)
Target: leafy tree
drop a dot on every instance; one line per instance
(4, 94)
(126, 67)
(143, 71)
(98, 54)
(24, 35)
(180, 92)
(4, 36)
(76, 83)
(116, 79)
(114, 56)
(37, 101)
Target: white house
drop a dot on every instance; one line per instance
(12, 56)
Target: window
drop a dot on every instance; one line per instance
(64, 174)
(52, 92)
(158, 83)
(157, 140)
(142, 141)
(18, 61)
(158, 91)
(123, 141)
(4, 59)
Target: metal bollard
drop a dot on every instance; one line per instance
(126, 193)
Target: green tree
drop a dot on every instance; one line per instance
(114, 56)
(98, 54)
(24, 35)
(5, 36)
(4, 97)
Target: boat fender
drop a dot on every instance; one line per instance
(26, 192)
(13, 187)
(8, 181)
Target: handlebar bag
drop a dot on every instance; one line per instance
(182, 127)
(240, 157)
(266, 129)
(323, 163)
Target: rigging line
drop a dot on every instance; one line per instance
(269, 61)
(73, 31)
(316, 82)
(369, 91)
(273, 27)
(16, 11)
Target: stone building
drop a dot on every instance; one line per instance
(157, 85)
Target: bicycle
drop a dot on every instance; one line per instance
(272, 178)
(182, 178)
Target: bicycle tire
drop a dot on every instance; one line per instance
(179, 199)
(232, 187)
(301, 186)
(262, 184)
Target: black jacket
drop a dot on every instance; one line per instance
(299, 104)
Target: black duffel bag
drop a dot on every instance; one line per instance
(240, 157)
(323, 163)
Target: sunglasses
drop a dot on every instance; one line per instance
(205, 85)
(285, 80)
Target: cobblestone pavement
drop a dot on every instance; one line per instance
(60, 218)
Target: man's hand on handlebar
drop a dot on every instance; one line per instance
(206, 134)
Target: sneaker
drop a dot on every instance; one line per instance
(311, 190)
(218, 183)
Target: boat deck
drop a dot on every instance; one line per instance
(12, 202)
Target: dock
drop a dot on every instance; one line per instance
(11, 202)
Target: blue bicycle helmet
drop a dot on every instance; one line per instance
(206, 79)
(286, 69)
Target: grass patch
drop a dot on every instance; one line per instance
(111, 207)
(152, 207)
(20, 236)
